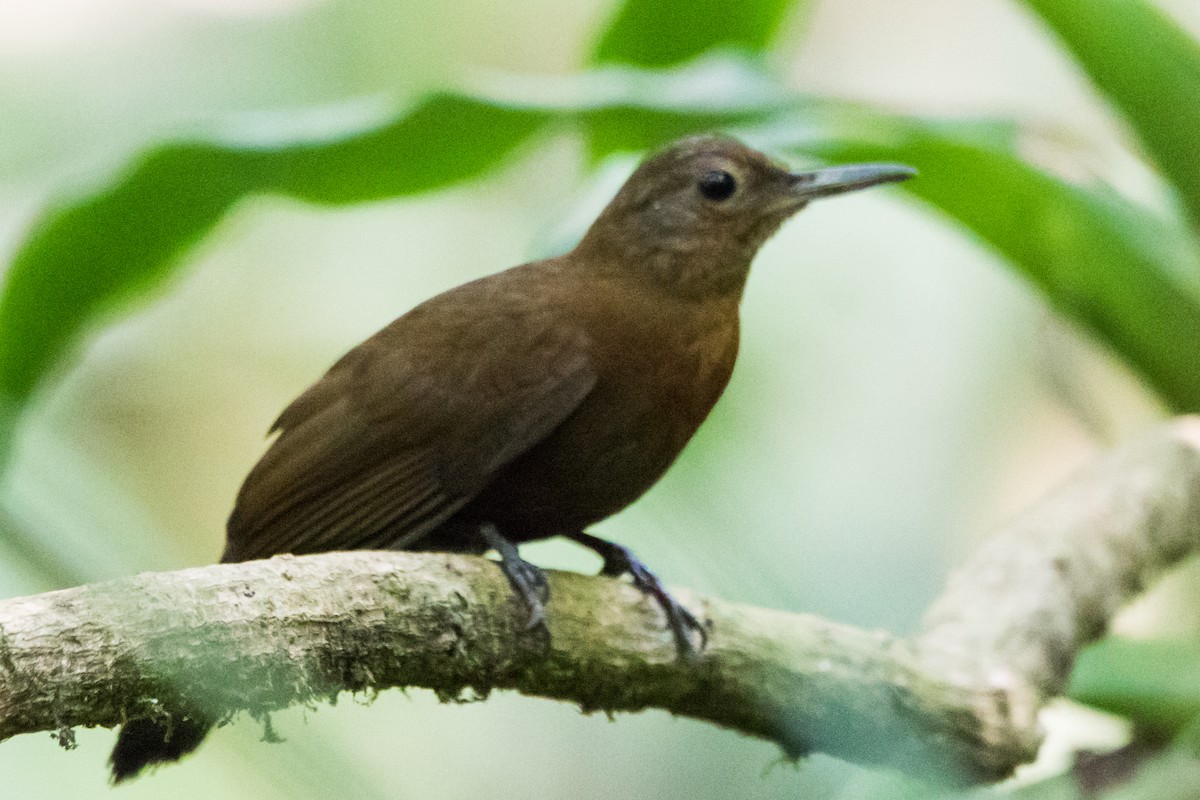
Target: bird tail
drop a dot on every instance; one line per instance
(143, 742)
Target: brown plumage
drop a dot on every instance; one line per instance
(533, 402)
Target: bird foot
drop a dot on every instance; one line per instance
(618, 561)
(528, 581)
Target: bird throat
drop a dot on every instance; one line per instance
(690, 267)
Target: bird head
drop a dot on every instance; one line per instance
(693, 216)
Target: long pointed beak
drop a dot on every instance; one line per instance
(837, 180)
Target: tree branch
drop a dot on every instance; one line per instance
(958, 701)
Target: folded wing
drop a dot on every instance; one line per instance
(410, 425)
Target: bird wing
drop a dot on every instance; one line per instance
(410, 425)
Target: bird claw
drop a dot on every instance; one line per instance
(618, 561)
(528, 581)
(530, 584)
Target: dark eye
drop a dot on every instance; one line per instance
(717, 185)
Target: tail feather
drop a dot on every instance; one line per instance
(143, 742)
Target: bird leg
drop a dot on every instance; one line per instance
(527, 580)
(619, 561)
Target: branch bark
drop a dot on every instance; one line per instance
(957, 702)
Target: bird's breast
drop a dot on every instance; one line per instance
(659, 373)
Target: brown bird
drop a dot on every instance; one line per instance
(531, 403)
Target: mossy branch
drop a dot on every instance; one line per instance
(958, 701)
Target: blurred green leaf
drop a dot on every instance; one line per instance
(646, 109)
(1154, 683)
(84, 257)
(631, 110)
(628, 129)
(1113, 267)
(662, 33)
(1150, 68)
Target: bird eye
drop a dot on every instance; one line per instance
(717, 185)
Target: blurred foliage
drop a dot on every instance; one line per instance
(1116, 268)
(1154, 683)
(1150, 69)
(1127, 273)
(128, 237)
(657, 33)
(1105, 262)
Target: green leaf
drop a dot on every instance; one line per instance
(1154, 683)
(662, 33)
(630, 110)
(84, 257)
(630, 129)
(1149, 68)
(1124, 274)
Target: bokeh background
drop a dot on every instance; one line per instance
(901, 390)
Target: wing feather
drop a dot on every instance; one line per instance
(409, 426)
